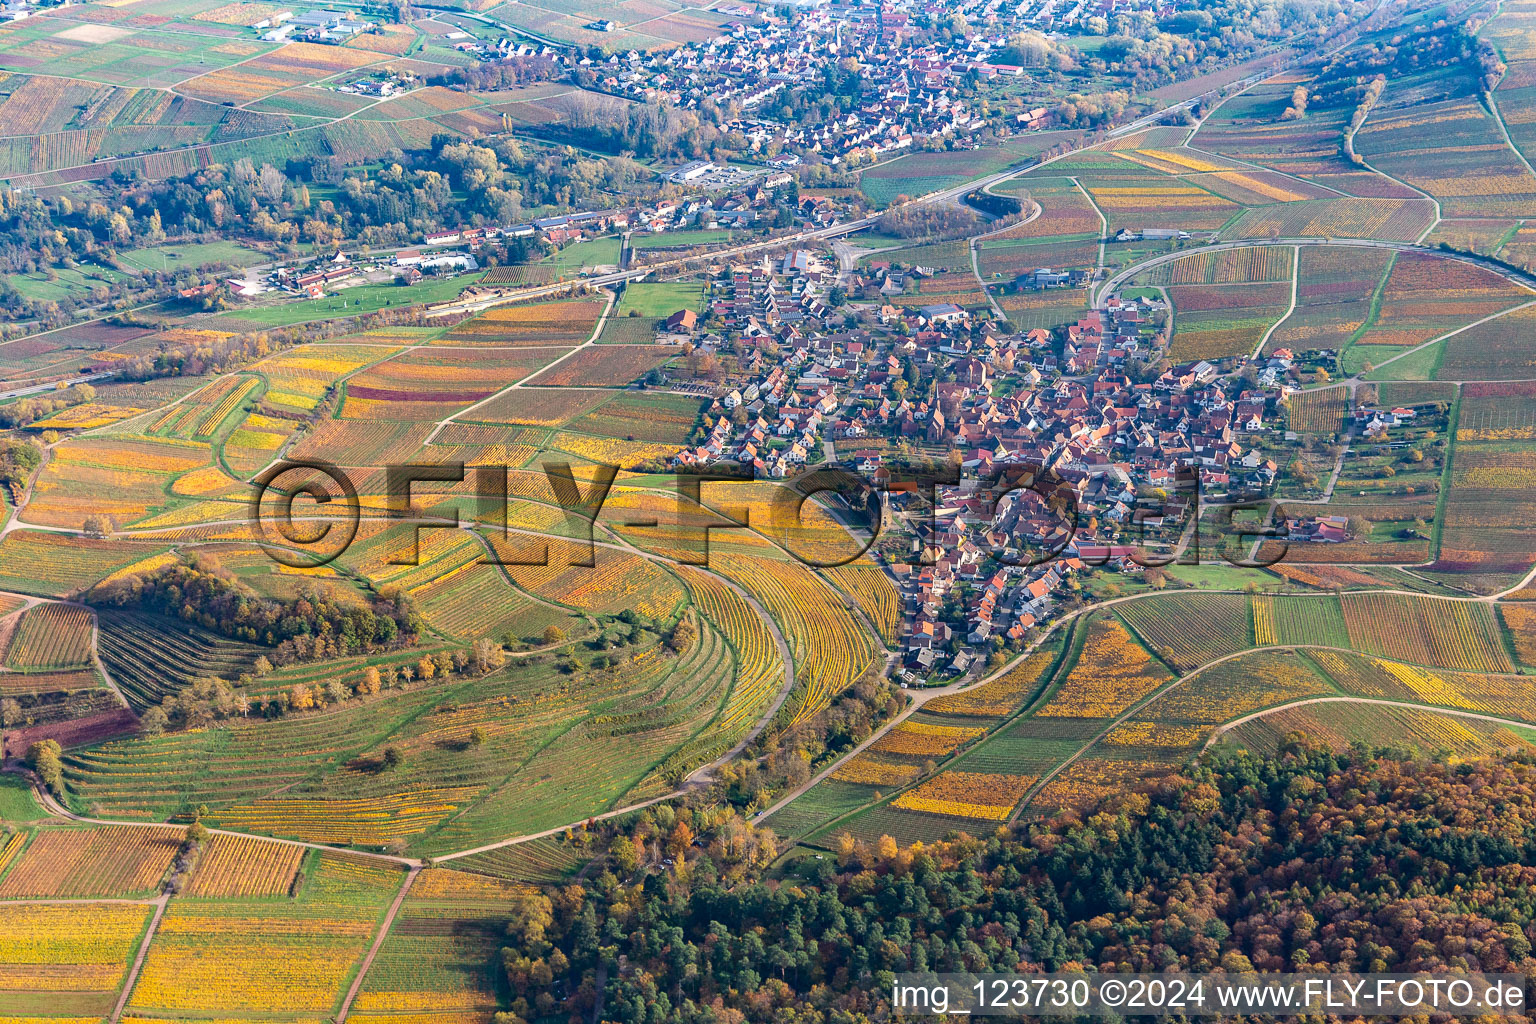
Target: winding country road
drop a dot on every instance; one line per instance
(1227, 727)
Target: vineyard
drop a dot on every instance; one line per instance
(1488, 502)
(538, 861)
(603, 366)
(300, 377)
(51, 636)
(1189, 630)
(1214, 321)
(759, 669)
(1421, 732)
(626, 733)
(562, 323)
(1453, 150)
(1064, 212)
(152, 657)
(877, 596)
(608, 451)
(228, 400)
(1334, 291)
(432, 385)
(1234, 689)
(1426, 631)
(922, 740)
(373, 821)
(873, 769)
(1000, 696)
(270, 958)
(616, 582)
(1130, 202)
(66, 959)
(830, 648)
(615, 726)
(966, 795)
(442, 954)
(1318, 412)
(1264, 263)
(238, 866)
(54, 564)
(1111, 673)
(1089, 780)
(121, 478)
(155, 777)
(1390, 218)
(479, 602)
(1520, 621)
(1365, 676)
(1427, 296)
(362, 443)
(1364, 230)
(116, 861)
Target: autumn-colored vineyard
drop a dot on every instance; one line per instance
(759, 669)
(117, 861)
(830, 648)
(967, 795)
(1112, 672)
(240, 866)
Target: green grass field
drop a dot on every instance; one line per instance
(64, 283)
(594, 253)
(662, 299)
(16, 800)
(171, 257)
(673, 238)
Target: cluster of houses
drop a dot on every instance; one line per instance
(1126, 453)
(913, 94)
(1373, 421)
(1008, 603)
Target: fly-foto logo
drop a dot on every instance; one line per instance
(307, 513)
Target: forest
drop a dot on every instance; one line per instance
(1365, 860)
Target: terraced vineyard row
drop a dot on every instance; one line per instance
(151, 658)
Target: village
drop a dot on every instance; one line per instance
(912, 95)
(1091, 415)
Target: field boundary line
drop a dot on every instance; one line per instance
(700, 775)
(918, 699)
(1162, 691)
(1451, 334)
(1490, 94)
(975, 247)
(58, 810)
(131, 979)
(1376, 170)
(612, 300)
(1518, 277)
(378, 944)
